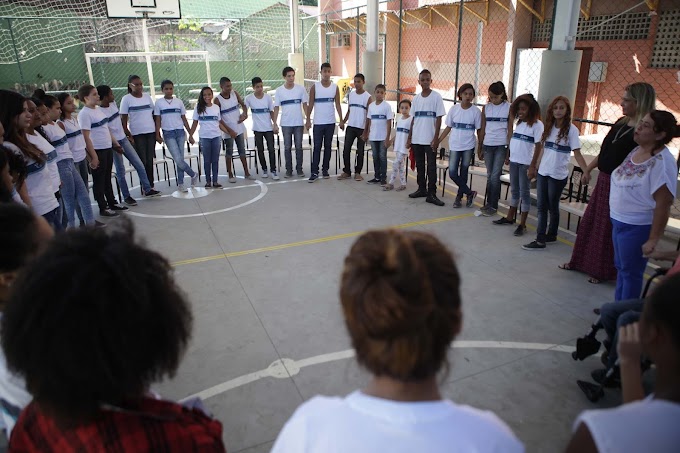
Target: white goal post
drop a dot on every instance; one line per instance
(147, 56)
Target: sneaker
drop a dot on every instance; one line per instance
(550, 239)
(458, 203)
(432, 198)
(118, 207)
(107, 213)
(251, 178)
(313, 178)
(217, 185)
(471, 198)
(373, 181)
(130, 201)
(503, 221)
(265, 174)
(400, 188)
(301, 174)
(520, 230)
(208, 185)
(181, 188)
(275, 176)
(388, 187)
(488, 212)
(358, 177)
(326, 176)
(194, 180)
(534, 245)
(232, 179)
(289, 174)
(383, 182)
(418, 194)
(343, 175)
(152, 193)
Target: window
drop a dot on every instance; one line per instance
(666, 52)
(341, 40)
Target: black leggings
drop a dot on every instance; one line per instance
(101, 180)
(145, 145)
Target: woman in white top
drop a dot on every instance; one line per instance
(649, 424)
(207, 115)
(36, 191)
(560, 139)
(642, 191)
(140, 130)
(99, 140)
(400, 295)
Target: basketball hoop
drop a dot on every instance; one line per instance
(143, 9)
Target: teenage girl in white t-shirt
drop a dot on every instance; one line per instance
(462, 121)
(642, 424)
(136, 114)
(560, 139)
(526, 140)
(400, 296)
(208, 115)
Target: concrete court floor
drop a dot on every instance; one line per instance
(268, 331)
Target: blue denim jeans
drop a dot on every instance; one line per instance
(628, 260)
(519, 187)
(210, 147)
(548, 191)
(74, 193)
(174, 141)
(291, 133)
(459, 163)
(379, 159)
(614, 315)
(323, 135)
(84, 172)
(240, 145)
(131, 155)
(54, 219)
(494, 156)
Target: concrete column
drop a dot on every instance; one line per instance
(373, 65)
(297, 62)
(295, 58)
(518, 36)
(565, 24)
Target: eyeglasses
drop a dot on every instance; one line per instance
(137, 84)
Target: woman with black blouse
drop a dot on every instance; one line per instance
(594, 250)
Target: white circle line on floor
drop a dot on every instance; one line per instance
(285, 368)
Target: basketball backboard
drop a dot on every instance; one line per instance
(152, 9)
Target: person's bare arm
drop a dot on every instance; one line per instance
(481, 132)
(22, 190)
(124, 120)
(194, 125)
(535, 161)
(664, 199)
(89, 149)
(367, 130)
(443, 135)
(157, 120)
(437, 127)
(630, 354)
(388, 140)
(310, 107)
(337, 102)
(582, 441)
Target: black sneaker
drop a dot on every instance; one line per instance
(418, 194)
(471, 198)
(432, 198)
(289, 174)
(301, 174)
(534, 245)
(503, 221)
(550, 239)
(217, 185)
(457, 203)
(107, 213)
(383, 182)
(313, 178)
(130, 201)
(373, 181)
(520, 230)
(326, 176)
(118, 207)
(488, 212)
(208, 185)
(153, 193)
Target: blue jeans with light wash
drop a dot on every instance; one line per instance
(628, 259)
(519, 187)
(210, 147)
(323, 135)
(174, 141)
(548, 193)
(290, 134)
(133, 157)
(459, 163)
(494, 156)
(74, 194)
(379, 159)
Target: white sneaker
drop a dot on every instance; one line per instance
(181, 188)
(232, 179)
(264, 174)
(275, 176)
(194, 180)
(251, 177)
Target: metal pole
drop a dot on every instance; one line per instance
(460, 38)
(328, 42)
(478, 61)
(243, 68)
(302, 50)
(149, 68)
(401, 13)
(358, 40)
(372, 25)
(294, 26)
(16, 52)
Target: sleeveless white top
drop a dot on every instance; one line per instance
(230, 111)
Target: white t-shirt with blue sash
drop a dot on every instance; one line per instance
(496, 129)
(358, 108)
(260, 109)
(38, 183)
(557, 153)
(524, 141)
(401, 135)
(425, 112)
(75, 138)
(324, 103)
(114, 122)
(51, 153)
(140, 113)
(96, 121)
(208, 122)
(170, 113)
(464, 124)
(379, 114)
(230, 112)
(58, 140)
(291, 101)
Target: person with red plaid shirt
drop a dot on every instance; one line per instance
(95, 322)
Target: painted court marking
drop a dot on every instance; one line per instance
(286, 368)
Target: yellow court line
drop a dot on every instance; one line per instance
(315, 241)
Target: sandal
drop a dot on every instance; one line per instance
(565, 266)
(503, 221)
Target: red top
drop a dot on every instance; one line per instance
(148, 426)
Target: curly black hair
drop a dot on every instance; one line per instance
(97, 320)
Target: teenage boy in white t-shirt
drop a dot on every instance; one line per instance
(355, 118)
(378, 131)
(428, 110)
(323, 95)
(292, 100)
(262, 107)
